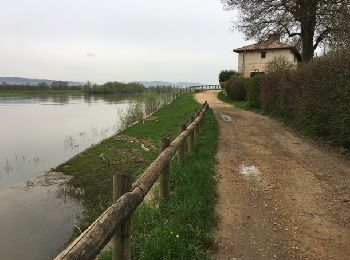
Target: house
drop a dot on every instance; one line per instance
(253, 58)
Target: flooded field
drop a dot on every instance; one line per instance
(37, 134)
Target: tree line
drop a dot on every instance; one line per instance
(122, 88)
(56, 85)
(89, 88)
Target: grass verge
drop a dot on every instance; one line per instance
(177, 229)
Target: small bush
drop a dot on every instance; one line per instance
(253, 91)
(235, 89)
(226, 75)
(141, 107)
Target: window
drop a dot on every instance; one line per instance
(256, 73)
(263, 55)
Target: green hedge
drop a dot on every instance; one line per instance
(315, 98)
(235, 89)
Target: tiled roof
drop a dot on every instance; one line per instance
(267, 45)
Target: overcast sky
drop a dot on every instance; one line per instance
(117, 40)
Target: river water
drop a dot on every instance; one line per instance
(36, 134)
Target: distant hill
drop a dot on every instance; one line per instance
(25, 81)
(168, 83)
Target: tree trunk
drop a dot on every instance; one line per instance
(308, 11)
(307, 38)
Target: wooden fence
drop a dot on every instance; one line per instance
(115, 221)
(194, 88)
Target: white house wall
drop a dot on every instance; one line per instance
(254, 62)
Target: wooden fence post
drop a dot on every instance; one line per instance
(164, 177)
(191, 137)
(181, 151)
(122, 238)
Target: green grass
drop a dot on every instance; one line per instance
(190, 211)
(10, 93)
(240, 104)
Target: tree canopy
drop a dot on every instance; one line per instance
(307, 23)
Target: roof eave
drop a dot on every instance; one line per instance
(265, 49)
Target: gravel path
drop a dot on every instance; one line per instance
(280, 195)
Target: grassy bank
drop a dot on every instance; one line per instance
(10, 93)
(177, 229)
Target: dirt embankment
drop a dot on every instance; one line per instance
(280, 195)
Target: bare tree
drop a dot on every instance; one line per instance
(340, 35)
(306, 22)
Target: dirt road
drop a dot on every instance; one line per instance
(280, 195)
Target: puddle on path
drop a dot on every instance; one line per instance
(226, 117)
(251, 173)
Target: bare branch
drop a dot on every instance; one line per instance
(321, 37)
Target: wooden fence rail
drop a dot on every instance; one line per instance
(183, 91)
(98, 234)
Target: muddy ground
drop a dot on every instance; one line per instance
(281, 196)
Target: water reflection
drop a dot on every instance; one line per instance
(38, 133)
(39, 219)
(66, 99)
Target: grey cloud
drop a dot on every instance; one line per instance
(164, 39)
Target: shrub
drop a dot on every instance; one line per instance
(139, 108)
(226, 75)
(235, 89)
(253, 91)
